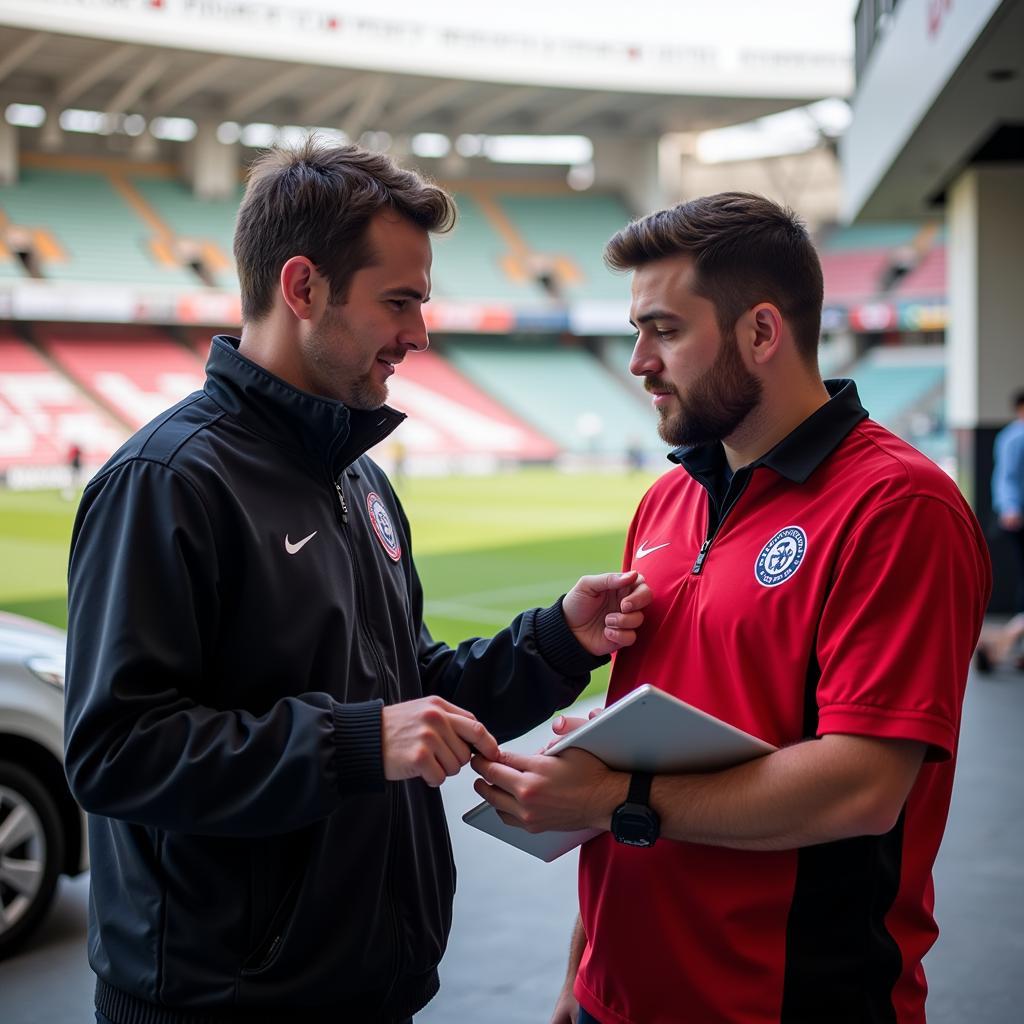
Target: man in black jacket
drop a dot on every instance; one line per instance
(257, 717)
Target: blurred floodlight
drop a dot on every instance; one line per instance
(90, 121)
(332, 135)
(173, 129)
(580, 177)
(259, 135)
(25, 115)
(431, 144)
(378, 142)
(469, 145)
(538, 149)
(229, 132)
(133, 124)
(792, 131)
(292, 136)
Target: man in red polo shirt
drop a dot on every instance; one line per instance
(817, 582)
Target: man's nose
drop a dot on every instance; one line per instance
(644, 360)
(415, 335)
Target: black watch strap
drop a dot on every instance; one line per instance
(640, 789)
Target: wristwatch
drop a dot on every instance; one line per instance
(635, 822)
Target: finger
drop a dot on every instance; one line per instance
(620, 637)
(564, 723)
(639, 597)
(474, 733)
(448, 759)
(595, 712)
(618, 620)
(504, 803)
(606, 581)
(432, 773)
(504, 776)
(454, 709)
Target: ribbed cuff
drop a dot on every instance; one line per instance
(558, 647)
(358, 757)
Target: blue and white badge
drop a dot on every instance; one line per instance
(380, 520)
(781, 557)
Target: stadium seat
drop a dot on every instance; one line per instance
(98, 235)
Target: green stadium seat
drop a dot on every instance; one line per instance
(575, 226)
(103, 239)
(565, 393)
(200, 220)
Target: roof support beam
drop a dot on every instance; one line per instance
(367, 107)
(190, 83)
(73, 87)
(269, 91)
(567, 116)
(325, 106)
(127, 95)
(424, 103)
(21, 53)
(475, 119)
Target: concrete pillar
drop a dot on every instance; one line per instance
(213, 165)
(985, 338)
(8, 153)
(630, 167)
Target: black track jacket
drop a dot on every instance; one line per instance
(242, 601)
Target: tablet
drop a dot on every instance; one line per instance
(648, 730)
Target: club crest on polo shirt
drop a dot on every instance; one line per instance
(380, 520)
(781, 557)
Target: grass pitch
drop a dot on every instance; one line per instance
(486, 547)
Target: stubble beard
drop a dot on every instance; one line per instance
(331, 376)
(715, 405)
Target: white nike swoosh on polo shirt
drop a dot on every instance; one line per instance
(299, 544)
(643, 552)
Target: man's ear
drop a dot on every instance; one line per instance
(764, 332)
(302, 287)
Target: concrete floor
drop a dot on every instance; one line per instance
(513, 914)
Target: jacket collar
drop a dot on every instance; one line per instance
(315, 428)
(801, 451)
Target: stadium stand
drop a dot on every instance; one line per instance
(42, 413)
(205, 225)
(565, 393)
(470, 262)
(450, 416)
(899, 382)
(855, 261)
(135, 372)
(89, 232)
(571, 230)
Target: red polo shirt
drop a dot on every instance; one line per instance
(842, 591)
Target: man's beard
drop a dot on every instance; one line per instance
(715, 404)
(331, 377)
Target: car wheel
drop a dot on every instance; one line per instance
(31, 853)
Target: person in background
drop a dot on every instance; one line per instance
(1008, 504)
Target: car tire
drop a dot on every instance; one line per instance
(31, 854)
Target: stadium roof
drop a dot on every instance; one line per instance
(299, 64)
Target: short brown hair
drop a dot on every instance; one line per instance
(745, 248)
(317, 201)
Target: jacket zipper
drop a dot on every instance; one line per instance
(389, 867)
(702, 555)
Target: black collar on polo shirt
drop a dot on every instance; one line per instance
(798, 454)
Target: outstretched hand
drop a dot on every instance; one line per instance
(431, 739)
(604, 612)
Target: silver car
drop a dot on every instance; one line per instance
(42, 833)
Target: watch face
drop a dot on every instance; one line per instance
(635, 825)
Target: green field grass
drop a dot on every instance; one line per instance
(486, 547)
